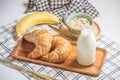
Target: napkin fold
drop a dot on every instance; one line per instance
(63, 7)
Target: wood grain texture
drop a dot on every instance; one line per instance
(23, 48)
(97, 30)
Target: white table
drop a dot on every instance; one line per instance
(108, 20)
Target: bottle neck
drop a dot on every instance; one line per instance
(87, 29)
(86, 32)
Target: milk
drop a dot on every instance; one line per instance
(86, 47)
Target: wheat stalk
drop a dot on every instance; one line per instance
(35, 75)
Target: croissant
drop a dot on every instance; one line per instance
(61, 49)
(42, 40)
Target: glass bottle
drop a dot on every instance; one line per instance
(86, 46)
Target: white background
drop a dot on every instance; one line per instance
(109, 21)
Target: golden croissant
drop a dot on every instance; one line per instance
(61, 50)
(48, 48)
(42, 40)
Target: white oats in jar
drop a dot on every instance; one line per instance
(79, 22)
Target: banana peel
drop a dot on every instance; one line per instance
(34, 19)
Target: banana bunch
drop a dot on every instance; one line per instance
(35, 19)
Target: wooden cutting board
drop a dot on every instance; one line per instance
(64, 29)
(23, 48)
(97, 30)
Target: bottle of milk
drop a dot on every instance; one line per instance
(86, 46)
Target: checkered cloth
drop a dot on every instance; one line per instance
(63, 7)
(110, 70)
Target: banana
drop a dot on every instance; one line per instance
(35, 19)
